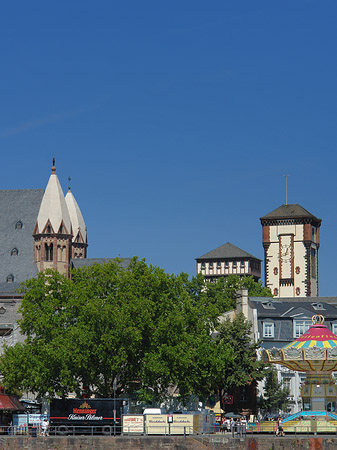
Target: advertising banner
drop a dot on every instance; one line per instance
(156, 424)
(133, 424)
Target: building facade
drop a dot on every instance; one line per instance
(228, 260)
(278, 322)
(290, 236)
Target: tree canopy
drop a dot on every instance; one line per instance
(276, 395)
(140, 326)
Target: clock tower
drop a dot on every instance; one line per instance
(290, 237)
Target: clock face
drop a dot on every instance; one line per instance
(285, 252)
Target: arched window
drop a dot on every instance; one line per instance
(14, 252)
(18, 225)
(48, 252)
(10, 278)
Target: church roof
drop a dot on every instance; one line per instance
(19, 209)
(227, 251)
(76, 217)
(294, 211)
(53, 207)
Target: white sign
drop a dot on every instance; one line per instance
(133, 424)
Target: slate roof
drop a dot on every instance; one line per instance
(87, 262)
(227, 251)
(294, 211)
(18, 205)
(295, 310)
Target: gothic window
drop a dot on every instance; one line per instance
(48, 229)
(10, 278)
(18, 225)
(298, 291)
(275, 270)
(14, 252)
(297, 270)
(275, 291)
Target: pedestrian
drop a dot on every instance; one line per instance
(279, 430)
(45, 427)
(244, 425)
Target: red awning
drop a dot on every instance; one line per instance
(10, 403)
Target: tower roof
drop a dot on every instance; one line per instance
(294, 211)
(77, 221)
(227, 250)
(53, 207)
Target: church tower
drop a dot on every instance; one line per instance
(79, 241)
(53, 230)
(290, 237)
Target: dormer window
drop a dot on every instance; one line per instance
(14, 252)
(268, 305)
(10, 278)
(317, 306)
(18, 225)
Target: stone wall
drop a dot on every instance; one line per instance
(215, 442)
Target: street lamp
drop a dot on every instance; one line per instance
(114, 386)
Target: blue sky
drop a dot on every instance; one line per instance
(176, 121)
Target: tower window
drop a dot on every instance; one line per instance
(211, 266)
(10, 278)
(49, 252)
(218, 265)
(203, 265)
(14, 252)
(18, 225)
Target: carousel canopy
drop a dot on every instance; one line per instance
(314, 351)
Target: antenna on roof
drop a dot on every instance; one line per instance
(286, 187)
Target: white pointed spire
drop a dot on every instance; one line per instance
(53, 206)
(76, 217)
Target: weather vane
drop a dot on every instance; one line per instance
(69, 180)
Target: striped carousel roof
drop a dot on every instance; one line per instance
(315, 350)
(317, 336)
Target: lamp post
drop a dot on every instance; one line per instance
(114, 386)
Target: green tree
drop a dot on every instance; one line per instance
(222, 292)
(138, 325)
(147, 329)
(243, 368)
(276, 395)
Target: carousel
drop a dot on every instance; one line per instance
(315, 353)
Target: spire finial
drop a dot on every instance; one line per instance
(69, 180)
(53, 169)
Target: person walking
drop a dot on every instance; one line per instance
(45, 427)
(279, 430)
